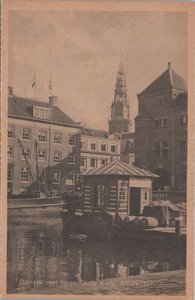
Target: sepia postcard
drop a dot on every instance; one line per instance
(97, 149)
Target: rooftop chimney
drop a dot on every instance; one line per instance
(53, 100)
(10, 91)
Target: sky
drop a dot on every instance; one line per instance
(81, 52)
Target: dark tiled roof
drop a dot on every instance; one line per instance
(23, 107)
(117, 167)
(167, 80)
(94, 132)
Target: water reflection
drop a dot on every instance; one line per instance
(39, 257)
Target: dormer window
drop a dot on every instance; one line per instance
(41, 112)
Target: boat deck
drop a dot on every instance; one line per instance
(167, 230)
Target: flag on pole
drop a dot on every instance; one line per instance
(34, 81)
(50, 84)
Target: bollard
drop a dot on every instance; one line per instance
(178, 227)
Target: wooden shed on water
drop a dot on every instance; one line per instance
(117, 188)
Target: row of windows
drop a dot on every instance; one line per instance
(162, 123)
(94, 147)
(42, 155)
(42, 136)
(25, 175)
(93, 162)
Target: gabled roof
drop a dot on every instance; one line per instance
(117, 167)
(94, 132)
(167, 80)
(23, 108)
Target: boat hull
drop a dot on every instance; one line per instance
(35, 207)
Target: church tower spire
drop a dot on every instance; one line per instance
(120, 121)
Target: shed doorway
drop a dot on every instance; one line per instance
(134, 201)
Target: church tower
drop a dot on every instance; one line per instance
(120, 121)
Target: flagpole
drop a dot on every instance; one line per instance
(35, 88)
(51, 87)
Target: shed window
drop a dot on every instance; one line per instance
(99, 199)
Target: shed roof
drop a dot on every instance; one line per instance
(117, 167)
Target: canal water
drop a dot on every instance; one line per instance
(40, 258)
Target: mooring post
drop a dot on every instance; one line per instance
(178, 227)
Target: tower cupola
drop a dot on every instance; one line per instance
(119, 121)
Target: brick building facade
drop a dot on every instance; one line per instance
(44, 144)
(161, 130)
(98, 148)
